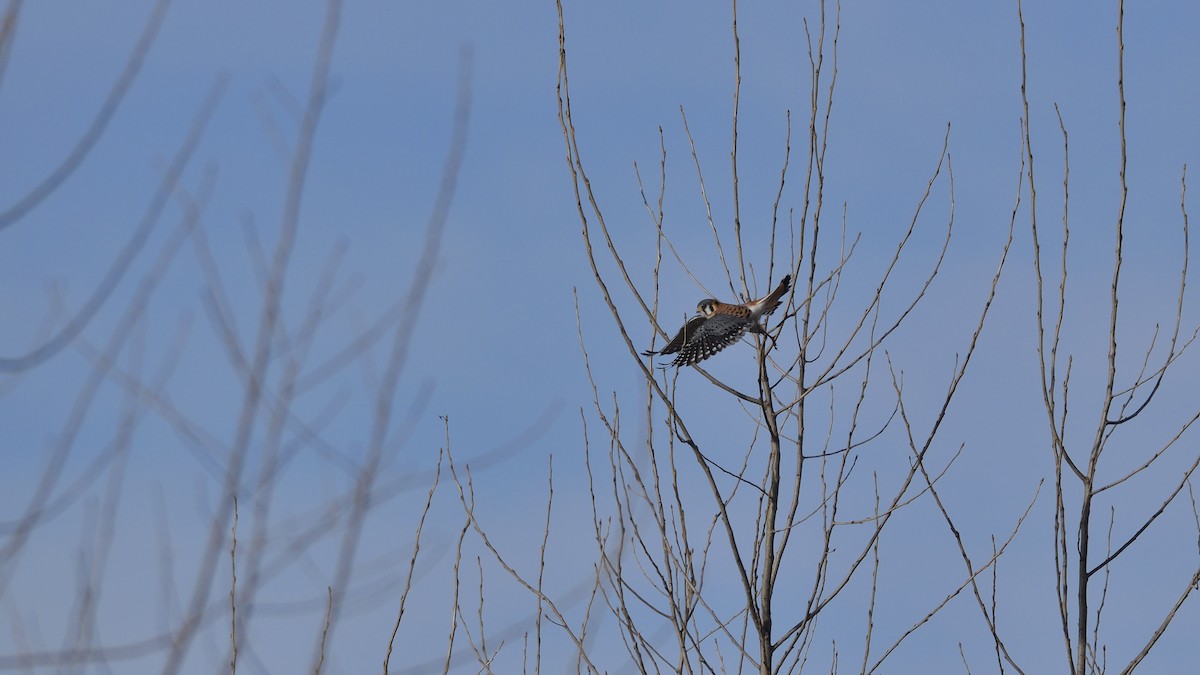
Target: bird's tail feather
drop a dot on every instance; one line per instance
(771, 302)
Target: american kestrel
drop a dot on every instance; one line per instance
(718, 325)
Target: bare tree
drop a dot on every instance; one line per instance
(716, 559)
(1088, 477)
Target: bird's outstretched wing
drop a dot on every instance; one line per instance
(702, 337)
(681, 338)
(714, 334)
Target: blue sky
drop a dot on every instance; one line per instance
(496, 348)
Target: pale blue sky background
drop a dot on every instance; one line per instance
(497, 346)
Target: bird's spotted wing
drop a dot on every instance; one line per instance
(681, 338)
(710, 336)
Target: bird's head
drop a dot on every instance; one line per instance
(707, 307)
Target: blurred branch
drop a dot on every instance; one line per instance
(8, 34)
(269, 319)
(381, 424)
(85, 398)
(133, 246)
(99, 123)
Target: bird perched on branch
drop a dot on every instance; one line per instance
(718, 325)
